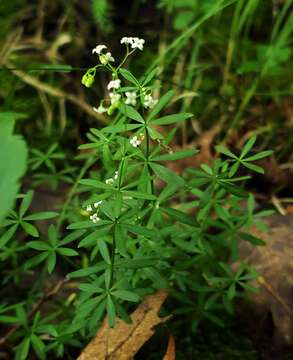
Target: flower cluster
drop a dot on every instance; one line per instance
(94, 217)
(135, 42)
(149, 102)
(110, 181)
(135, 142)
(104, 58)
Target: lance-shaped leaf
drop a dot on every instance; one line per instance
(171, 119)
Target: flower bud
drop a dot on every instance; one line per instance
(87, 80)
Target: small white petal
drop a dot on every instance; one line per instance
(98, 49)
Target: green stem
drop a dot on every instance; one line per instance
(112, 259)
(150, 171)
(83, 170)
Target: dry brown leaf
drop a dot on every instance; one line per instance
(170, 353)
(274, 263)
(123, 341)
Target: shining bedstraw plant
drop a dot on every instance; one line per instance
(140, 235)
(140, 226)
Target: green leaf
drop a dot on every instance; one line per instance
(25, 203)
(8, 235)
(95, 183)
(120, 238)
(138, 230)
(128, 76)
(126, 295)
(51, 262)
(104, 250)
(71, 237)
(13, 161)
(252, 239)
(121, 128)
(179, 216)
(86, 224)
(38, 346)
(150, 76)
(111, 312)
(175, 156)
(41, 215)
(87, 271)
(136, 263)
(35, 260)
(138, 195)
(233, 189)
(130, 112)
(29, 228)
(39, 245)
(259, 155)
(67, 251)
(161, 104)
(91, 239)
(248, 146)
(24, 347)
(253, 167)
(8, 319)
(167, 175)
(225, 151)
(171, 119)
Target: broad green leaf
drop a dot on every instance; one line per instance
(13, 161)
(104, 250)
(25, 203)
(248, 146)
(128, 76)
(161, 104)
(29, 228)
(41, 215)
(24, 347)
(175, 156)
(171, 119)
(39, 245)
(130, 112)
(66, 251)
(126, 295)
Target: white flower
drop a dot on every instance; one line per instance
(135, 142)
(126, 40)
(100, 109)
(137, 43)
(96, 204)
(106, 58)
(114, 97)
(114, 84)
(89, 208)
(149, 102)
(116, 175)
(109, 181)
(131, 98)
(95, 218)
(98, 49)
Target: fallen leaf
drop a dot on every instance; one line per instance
(274, 264)
(170, 353)
(124, 340)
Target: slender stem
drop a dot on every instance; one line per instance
(150, 171)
